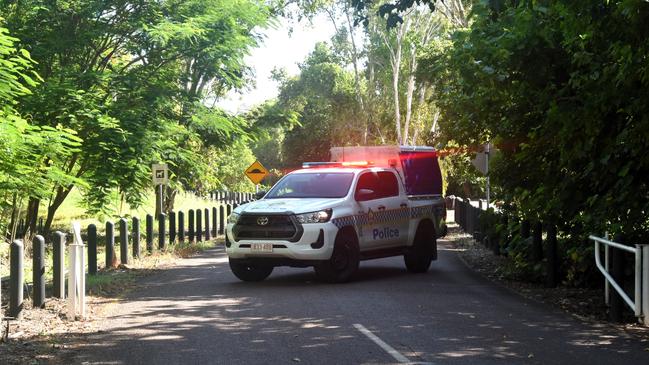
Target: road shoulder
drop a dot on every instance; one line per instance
(585, 305)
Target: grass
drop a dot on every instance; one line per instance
(71, 210)
(146, 260)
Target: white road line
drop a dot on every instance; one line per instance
(387, 348)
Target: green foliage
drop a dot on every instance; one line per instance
(560, 98)
(578, 264)
(30, 156)
(392, 11)
(230, 165)
(129, 79)
(323, 97)
(461, 177)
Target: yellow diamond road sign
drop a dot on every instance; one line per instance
(256, 172)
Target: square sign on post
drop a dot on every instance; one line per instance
(160, 173)
(256, 172)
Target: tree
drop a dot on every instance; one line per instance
(559, 96)
(128, 77)
(29, 155)
(323, 96)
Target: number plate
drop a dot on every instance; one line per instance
(261, 247)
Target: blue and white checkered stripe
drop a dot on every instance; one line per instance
(383, 216)
(344, 221)
(423, 211)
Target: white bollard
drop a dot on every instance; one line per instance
(76, 276)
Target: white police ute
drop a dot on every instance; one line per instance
(367, 203)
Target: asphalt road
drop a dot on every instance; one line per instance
(199, 313)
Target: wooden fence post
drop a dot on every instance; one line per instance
(149, 233)
(136, 237)
(199, 225)
(58, 262)
(16, 278)
(123, 241)
(181, 226)
(92, 249)
(172, 227)
(221, 219)
(191, 226)
(207, 224)
(162, 236)
(38, 272)
(110, 244)
(215, 230)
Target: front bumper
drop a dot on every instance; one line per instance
(315, 244)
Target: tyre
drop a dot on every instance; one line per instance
(249, 272)
(423, 250)
(343, 263)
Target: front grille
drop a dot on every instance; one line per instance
(278, 227)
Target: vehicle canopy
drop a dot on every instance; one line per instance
(418, 165)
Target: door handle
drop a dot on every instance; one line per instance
(381, 207)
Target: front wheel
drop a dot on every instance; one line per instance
(249, 272)
(343, 263)
(423, 250)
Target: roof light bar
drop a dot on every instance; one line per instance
(357, 163)
(307, 165)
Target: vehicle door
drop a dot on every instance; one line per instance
(396, 215)
(377, 197)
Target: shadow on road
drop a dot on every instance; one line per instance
(199, 312)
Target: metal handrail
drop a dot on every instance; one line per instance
(640, 305)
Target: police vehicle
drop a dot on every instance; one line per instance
(366, 203)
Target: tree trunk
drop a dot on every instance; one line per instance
(31, 218)
(395, 61)
(357, 77)
(409, 93)
(170, 195)
(420, 106)
(397, 113)
(15, 214)
(59, 198)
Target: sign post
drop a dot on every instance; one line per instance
(160, 177)
(481, 162)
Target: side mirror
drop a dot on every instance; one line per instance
(364, 195)
(260, 194)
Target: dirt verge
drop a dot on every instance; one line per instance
(46, 336)
(584, 304)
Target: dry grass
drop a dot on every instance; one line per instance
(72, 210)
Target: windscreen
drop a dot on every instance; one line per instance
(312, 185)
(422, 173)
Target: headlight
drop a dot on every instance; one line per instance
(233, 218)
(320, 216)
